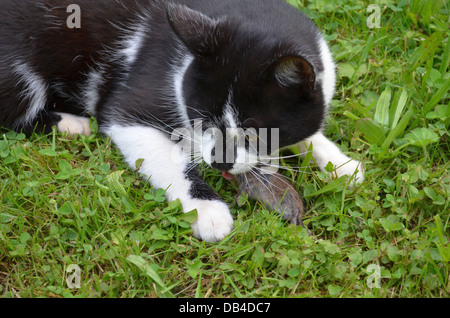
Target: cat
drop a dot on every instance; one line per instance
(148, 68)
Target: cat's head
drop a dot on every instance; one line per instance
(254, 88)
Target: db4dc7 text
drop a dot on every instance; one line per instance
(246, 307)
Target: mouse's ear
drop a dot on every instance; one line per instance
(201, 34)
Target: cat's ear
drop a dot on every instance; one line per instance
(293, 70)
(198, 32)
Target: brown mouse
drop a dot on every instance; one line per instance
(275, 192)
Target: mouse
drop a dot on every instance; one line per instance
(274, 191)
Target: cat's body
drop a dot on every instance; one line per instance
(144, 68)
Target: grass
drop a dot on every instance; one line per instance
(73, 201)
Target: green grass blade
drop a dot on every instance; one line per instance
(363, 57)
(445, 58)
(333, 186)
(382, 108)
(396, 131)
(399, 107)
(426, 51)
(305, 163)
(437, 97)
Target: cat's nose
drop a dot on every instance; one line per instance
(222, 166)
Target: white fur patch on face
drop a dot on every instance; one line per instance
(245, 161)
(212, 138)
(328, 76)
(73, 125)
(35, 90)
(229, 112)
(208, 142)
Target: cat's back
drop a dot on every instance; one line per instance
(101, 21)
(269, 15)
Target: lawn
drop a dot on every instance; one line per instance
(70, 208)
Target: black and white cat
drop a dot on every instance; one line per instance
(148, 68)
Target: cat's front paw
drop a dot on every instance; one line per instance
(214, 220)
(352, 168)
(73, 125)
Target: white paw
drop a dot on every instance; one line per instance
(352, 168)
(214, 220)
(73, 125)
(325, 151)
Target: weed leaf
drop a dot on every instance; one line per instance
(422, 137)
(114, 181)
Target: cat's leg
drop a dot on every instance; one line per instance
(66, 123)
(325, 151)
(168, 167)
(42, 122)
(26, 104)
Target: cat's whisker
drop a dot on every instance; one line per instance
(202, 113)
(247, 119)
(191, 167)
(285, 157)
(259, 176)
(197, 159)
(271, 163)
(288, 168)
(274, 175)
(186, 137)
